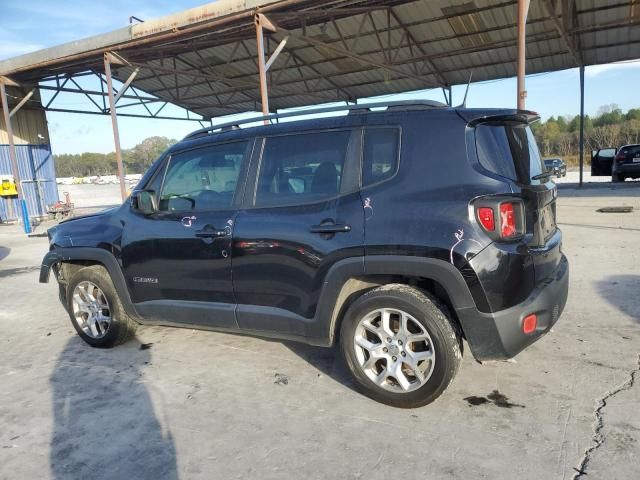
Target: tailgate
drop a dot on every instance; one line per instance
(508, 148)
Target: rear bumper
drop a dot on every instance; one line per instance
(499, 335)
(627, 168)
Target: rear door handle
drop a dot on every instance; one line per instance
(331, 228)
(209, 231)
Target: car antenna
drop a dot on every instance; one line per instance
(464, 100)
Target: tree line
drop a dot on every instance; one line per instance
(611, 127)
(134, 160)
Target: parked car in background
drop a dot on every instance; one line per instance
(626, 163)
(343, 230)
(602, 161)
(557, 166)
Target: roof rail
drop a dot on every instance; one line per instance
(356, 109)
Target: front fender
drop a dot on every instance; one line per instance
(96, 255)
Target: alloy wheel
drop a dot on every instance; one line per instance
(394, 350)
(91, 309)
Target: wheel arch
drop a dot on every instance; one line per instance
(437, 277)
(72, 259)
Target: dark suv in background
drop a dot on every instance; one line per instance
(626, 163)
(397, 233)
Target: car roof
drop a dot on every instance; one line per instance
(394, 114)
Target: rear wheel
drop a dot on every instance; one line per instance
(400, 346)
(95, 308)
(615, 178)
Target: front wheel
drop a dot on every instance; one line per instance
(95, 309)
(400, 346)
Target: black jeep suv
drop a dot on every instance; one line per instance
(397, 233)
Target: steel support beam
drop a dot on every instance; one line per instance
(262, 67)
(14, 159)
(568, 41)
(26, 98)
(366, 61)
(523, 10)
(581, 122)
(114, 124)
(126, 84)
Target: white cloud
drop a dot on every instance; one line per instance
(595, 70)
(10, 49)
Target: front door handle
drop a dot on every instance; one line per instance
(331, 228)
(209, 231)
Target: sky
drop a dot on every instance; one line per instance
(29, 25)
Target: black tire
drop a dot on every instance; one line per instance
(432, 316)
(122, 327)
(615, 178)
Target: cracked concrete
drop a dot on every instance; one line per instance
(599, 435)
(203, 405)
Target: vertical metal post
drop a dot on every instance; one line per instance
(14, 159)
(264, 94)
(581, 122)
(114, 124)
(523, 9)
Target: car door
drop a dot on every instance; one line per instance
(302, 214)
(602, 161)
(177, 261)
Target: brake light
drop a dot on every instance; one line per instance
(507, 220)
(501, 219)
(485, 216)
(620, 157)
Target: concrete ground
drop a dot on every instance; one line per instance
(178, 403)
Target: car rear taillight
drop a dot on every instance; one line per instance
(621, 157)
(508, 227)
(485, 216)
(501, 219)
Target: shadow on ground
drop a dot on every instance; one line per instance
(621, 291)
(4, 252)
(328, 361)
(104, 421)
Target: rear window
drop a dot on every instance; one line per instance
(510, 151)
(630, 150)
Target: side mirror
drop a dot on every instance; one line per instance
(144, 201)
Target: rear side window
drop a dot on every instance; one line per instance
(203, 178)
(301, 168)
(509, 151)
(380, 155)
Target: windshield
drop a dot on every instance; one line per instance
(509, 150)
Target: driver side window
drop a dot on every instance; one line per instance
(203, 178)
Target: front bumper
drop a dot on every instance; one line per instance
(499, 335)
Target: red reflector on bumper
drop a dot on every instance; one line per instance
(529, 324)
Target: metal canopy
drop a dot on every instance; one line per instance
(207, 59)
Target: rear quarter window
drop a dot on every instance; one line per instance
(380, 154)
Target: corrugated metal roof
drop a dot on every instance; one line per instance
(420, 44)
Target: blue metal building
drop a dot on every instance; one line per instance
(36, 167)
(37, 177)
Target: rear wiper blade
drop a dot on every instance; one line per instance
(542, 175)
